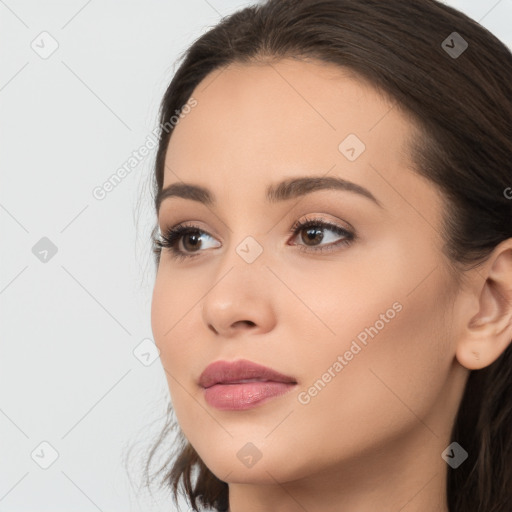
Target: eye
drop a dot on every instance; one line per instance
(181, 233)
(190, 237)
(314, 229)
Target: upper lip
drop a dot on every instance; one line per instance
(229, 372)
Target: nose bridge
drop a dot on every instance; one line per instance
(248, 238)
(240, 292)
(245, 256)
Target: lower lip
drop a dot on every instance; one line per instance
(238, 397)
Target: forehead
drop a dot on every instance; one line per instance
(255, 124)
(286, 110)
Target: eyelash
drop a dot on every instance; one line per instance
(173, 235)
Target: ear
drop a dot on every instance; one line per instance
(487, 311)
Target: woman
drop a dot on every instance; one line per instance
(333, 300)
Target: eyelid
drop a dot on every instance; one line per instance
(174, 235)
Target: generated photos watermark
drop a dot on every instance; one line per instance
(101, 191)
(304, 397)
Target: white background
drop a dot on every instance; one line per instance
(68, 328)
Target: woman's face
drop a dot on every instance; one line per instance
(363, 329)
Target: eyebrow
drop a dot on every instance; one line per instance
(287, 189)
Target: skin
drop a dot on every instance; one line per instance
(372, 438)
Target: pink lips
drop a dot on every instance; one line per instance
(226, 385)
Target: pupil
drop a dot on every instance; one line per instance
(313, 233)
(195, 237)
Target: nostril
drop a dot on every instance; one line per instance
(249, 323)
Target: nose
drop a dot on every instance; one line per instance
(240, 302)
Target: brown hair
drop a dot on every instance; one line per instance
(462, 106)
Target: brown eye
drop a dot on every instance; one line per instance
(192, 238)
(311, 231)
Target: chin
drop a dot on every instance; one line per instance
(240, 461)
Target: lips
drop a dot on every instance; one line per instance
(240, 371)
(241, 385)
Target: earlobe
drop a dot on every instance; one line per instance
(475, 359)
(488, 332)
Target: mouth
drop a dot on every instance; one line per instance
(242, 384)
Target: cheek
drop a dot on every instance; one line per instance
(174, 312)
(167, 315)
(385, 316)
(161, 309)
(171, 317)
(395, 358)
